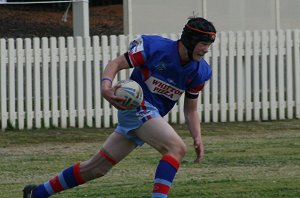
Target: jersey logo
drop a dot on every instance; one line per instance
(161, 66)
(136, 45)
(160, 87)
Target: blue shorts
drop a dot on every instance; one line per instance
(131, 119)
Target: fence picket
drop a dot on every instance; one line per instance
(62, 85)
(296, 37)
(45, 82)
(88, 82)
(71, 82)
(289, 75)
(240, 77)
(97, 89)
(28, 68)
(248, 76)
(256, 78)
(231, 76)
(37, 82)
(223, 76)
(280, 75)
(20, 83)
(12, 82)
(215, 82)
(272, 75)
(3, 88)
(53, 80)
(79, 82)
(105, 59)
(264, 76)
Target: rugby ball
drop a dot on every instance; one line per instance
(131, 91)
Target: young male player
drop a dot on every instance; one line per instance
(165, 69)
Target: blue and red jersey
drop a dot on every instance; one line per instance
(157, 68)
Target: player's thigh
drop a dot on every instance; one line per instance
(160, 135)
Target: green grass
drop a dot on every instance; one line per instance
(243, 160)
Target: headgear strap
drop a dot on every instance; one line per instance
(200, 31)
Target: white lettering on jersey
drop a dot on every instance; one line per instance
(160, 87)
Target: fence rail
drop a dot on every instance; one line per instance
(55, 82)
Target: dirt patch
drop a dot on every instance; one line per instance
(33, 22)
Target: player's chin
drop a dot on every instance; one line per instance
(197, 58)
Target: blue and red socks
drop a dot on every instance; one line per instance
(68, 178)
(165, 173)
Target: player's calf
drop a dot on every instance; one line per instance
(73, 176)
(97, 166)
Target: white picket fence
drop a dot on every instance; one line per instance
(56, 82)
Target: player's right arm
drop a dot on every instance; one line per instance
(133, 58)
(109, 73)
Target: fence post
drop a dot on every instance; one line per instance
(81, 18)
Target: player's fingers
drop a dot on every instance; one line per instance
(119, 106)
(119, 99)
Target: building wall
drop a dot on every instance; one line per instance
(168, 16)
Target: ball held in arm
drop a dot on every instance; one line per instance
(131, 91)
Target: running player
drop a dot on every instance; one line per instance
(165, 69)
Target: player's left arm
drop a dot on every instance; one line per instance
(194, 126)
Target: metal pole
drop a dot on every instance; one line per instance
(81, 25)
(277, 14)
(127, 16)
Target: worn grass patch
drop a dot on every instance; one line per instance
(251, 159)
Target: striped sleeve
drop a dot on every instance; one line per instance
(193, 92)
(136, 54)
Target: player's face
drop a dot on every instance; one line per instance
(200, 50)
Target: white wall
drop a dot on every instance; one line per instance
(158, 16)
(168, 16)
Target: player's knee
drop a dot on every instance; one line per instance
(178, 150)
(182, 149)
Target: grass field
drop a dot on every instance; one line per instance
(253, 159)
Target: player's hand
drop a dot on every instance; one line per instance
(109, 94)
(199, 149)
